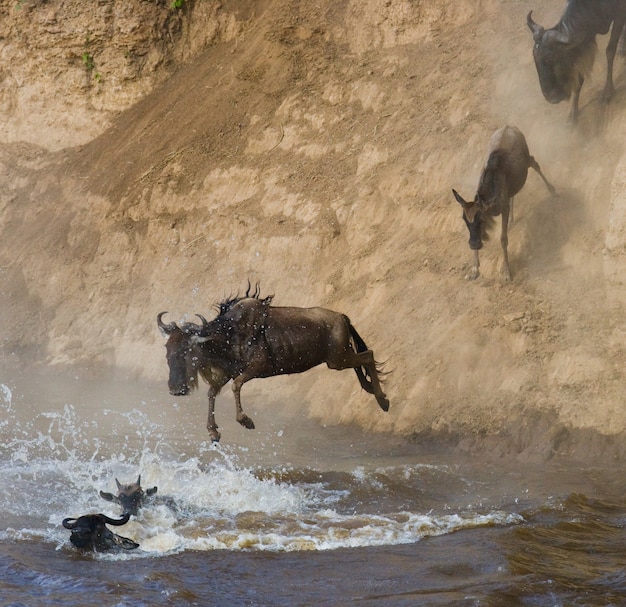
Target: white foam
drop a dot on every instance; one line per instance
(6, 396)
(219, 504)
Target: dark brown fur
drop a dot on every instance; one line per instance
(251, 338)
(90, 532)
(564, 54)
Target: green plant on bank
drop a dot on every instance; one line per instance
(90, 65)
(88, 61)
(177, 3)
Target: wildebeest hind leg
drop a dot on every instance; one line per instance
(535, 165)
(365, 360)
(240, 416)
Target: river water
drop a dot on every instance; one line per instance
(290, 514)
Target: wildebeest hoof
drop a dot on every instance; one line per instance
(383, 402)
(246, 422)
(214, 434)
(473, 274)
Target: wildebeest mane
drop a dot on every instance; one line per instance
(225, 305)
(581, 21)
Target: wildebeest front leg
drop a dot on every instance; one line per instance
(211, 426)
(474, 272)
(611, 49)
(504, 241)
(240, 416)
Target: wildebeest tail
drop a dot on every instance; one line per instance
(361, 372)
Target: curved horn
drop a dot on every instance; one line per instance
(205, 322)
(205, 326)
(66, 523)
(116, 522)
(535, 28)
(139, 480)
(166, 329)
(119, 485)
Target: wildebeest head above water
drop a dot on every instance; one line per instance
(130, 497)
(251, 338)
(90, 532)
(564, 54)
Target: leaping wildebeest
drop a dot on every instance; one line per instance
(90, 532)
(564, 54)
(250, 338)
(503, 176)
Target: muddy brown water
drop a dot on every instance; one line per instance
(290, 514)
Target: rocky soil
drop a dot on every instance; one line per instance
(158, 158)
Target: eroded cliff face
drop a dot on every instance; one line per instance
(313, 149)
(69, 67)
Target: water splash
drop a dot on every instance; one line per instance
(56, 463)
(6, 396)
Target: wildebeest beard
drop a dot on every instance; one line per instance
(479, 229)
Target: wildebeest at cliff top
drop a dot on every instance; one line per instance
(564, 54)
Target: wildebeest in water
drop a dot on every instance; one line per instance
(503, 176)
(250, 338)
(90, 532)
(130, 497)
(564, 54)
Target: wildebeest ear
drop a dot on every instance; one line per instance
(556, 36)
(109, 497)
(198, 339)
(459, 198)
(151, 491)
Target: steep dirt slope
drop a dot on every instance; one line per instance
(313, 148)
